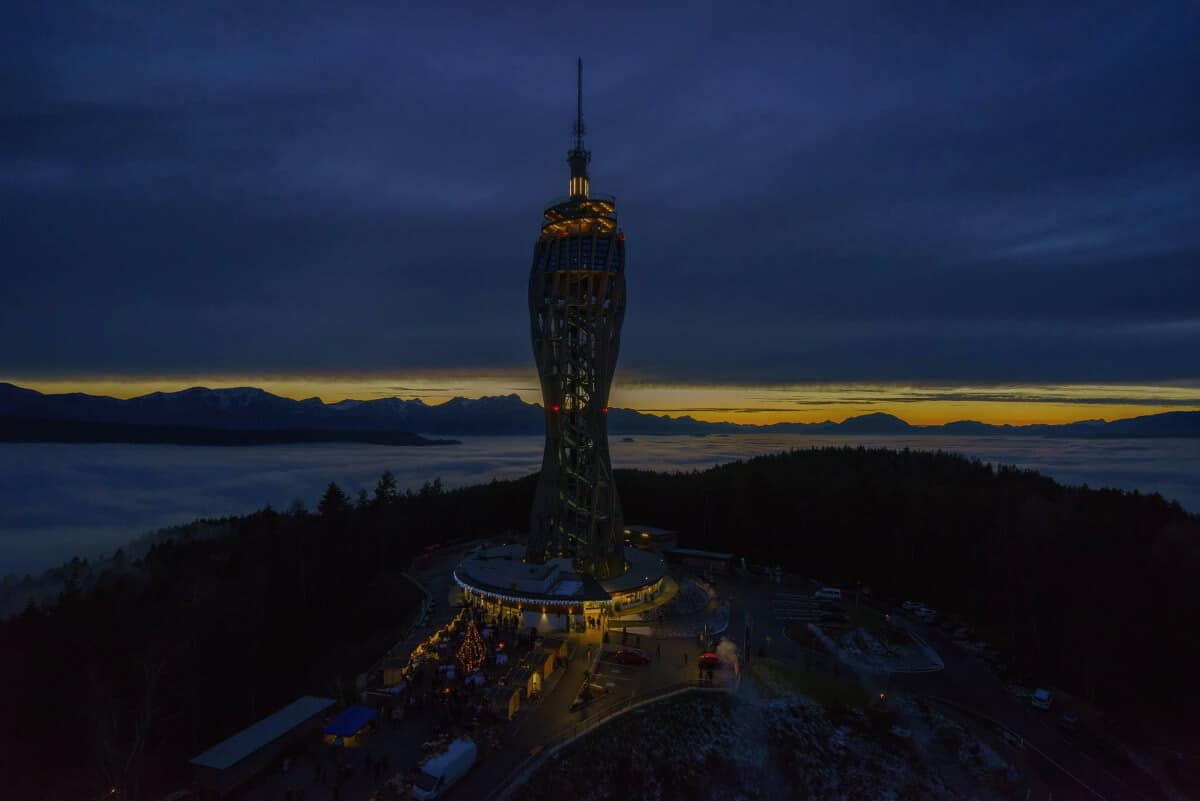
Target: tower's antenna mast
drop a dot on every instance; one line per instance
(579, 129)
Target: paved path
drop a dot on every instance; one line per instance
(552, 716)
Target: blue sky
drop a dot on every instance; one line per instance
(935, 193)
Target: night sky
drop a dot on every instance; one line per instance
(933, 198)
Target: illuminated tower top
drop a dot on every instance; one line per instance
(578, 157)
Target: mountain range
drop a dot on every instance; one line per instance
(201, 413)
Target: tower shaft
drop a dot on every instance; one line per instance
(576, 307)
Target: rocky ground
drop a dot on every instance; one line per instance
(764, 745)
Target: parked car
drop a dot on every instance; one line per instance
(963, 633)
(1068, 721)
(709, 661)
(632, 656)
(926, 614)
(828, 594)
(911, 606)
(1042, 698)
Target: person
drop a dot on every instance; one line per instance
(685, 657)
(658, 647)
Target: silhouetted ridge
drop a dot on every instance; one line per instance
(251, 408)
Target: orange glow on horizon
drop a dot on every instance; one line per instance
(753, 404)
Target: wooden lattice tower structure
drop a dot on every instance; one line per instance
(576, 306)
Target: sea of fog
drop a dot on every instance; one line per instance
(59, 501)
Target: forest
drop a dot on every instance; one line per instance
(128, 675)
(1093, 591)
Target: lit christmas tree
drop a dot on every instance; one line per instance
(470, 653)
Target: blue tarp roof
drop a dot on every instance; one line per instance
(350, 722)
(241, 745)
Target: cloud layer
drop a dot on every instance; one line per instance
(58, 501)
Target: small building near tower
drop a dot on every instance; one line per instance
(504, 701)
(233, 762)
(541, 660)
(650, 538)
(556, 646)
(350, 728)
(703, 561)
(525, 679)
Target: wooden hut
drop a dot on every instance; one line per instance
(350, 728)
(556, 646)
(541, 662)
(504, 701)
(527, 680)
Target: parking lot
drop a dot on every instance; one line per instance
(791, 607)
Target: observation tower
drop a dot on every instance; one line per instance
(574, 570)
(576, 306)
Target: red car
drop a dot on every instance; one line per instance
(632, 656)
(710, 661)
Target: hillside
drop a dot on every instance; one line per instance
(1083, 588)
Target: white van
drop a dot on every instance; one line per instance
(441, 772)
(827, 594)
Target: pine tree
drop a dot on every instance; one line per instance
(334, 503)
(385, 490)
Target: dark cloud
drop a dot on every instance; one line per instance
(870, 193)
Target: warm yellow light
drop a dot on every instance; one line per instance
(917, 404)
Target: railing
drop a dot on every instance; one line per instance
(595, 718)
(591, 196)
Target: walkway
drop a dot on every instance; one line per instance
(551, 717)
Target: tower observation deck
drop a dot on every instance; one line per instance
(576, 307)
